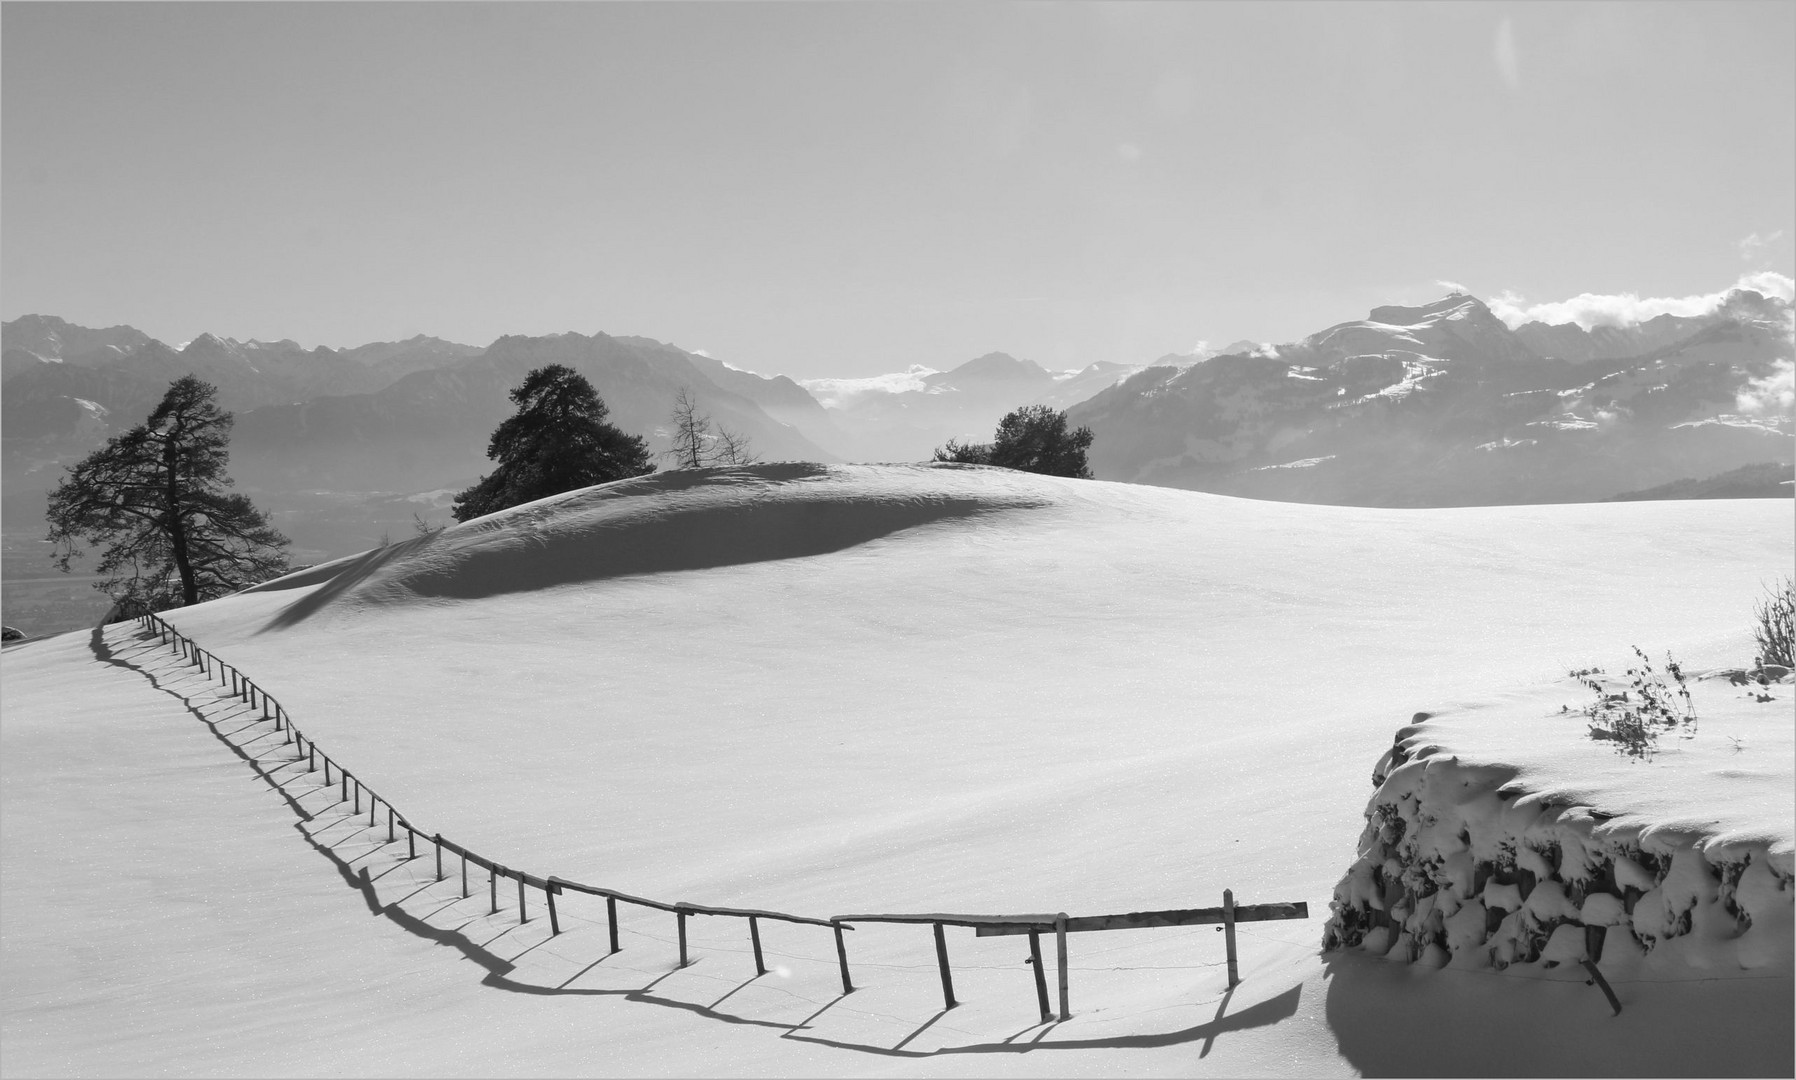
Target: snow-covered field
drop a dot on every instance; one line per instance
(858, 688)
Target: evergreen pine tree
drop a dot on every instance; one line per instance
(155, 498)
(557, 441)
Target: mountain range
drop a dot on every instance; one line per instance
(1444, 404)
(1434, 405)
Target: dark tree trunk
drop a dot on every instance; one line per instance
(177, 525)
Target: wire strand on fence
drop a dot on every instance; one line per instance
(307, 749)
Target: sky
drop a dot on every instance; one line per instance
(848, 189)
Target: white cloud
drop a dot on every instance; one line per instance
(1750, 246)
(1453, 286)
(701, 352)
(1503, 52)
(1591, 310)
(835, 393)
(1775, 393)
(1771, 283)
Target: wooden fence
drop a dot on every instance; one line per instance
(551, 886)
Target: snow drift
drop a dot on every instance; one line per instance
(686, 520)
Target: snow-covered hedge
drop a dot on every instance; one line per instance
(1459, 865)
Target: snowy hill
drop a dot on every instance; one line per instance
(850, 688)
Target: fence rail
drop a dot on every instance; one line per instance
(351, 789)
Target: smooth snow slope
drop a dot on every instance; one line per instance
(914, 689)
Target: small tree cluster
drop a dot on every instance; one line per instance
(1633, 718)
(557, 441)
(699, 443)
(1033, 439)
(1775, 625)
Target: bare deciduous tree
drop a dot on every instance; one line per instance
(698, 443)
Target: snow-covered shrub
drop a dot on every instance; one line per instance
(1633, 716)
(1776, 625)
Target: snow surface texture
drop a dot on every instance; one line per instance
(1482, 850)
(911, 689)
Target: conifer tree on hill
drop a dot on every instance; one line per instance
(155, 499)
(557, 441)
(1033, 439)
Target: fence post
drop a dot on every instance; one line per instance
(1066, 1012)
(492, 884)
(680, 917)
(1041, 975)
(358, 798)
(372, 799)
(464, 875)
(439, 842)
(312, 759)
(1597, 978)
(941, 959)
(842, 958)
(611, 917)
(554, 922)
(411, 842)
(1228, 933)
(343, 779)
(754, 938)
(522, 918)
(327, 771)
(390, 837)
